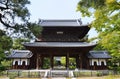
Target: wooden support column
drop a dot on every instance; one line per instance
(88, 65)
(37, 61)
(67, 61)
(80, 61)
(77, 62)
(12, 66)
(42, 59)
(51, 61)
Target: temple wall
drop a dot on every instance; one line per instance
(98, 62)
(102, 60)
(20, 61)
(26, 61)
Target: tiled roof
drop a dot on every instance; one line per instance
(98, 54)
(70, 23)
(20, 54)
(60, 44)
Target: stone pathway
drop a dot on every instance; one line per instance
(54, 78)
(43, 78)
(4, 78)
(59, 78)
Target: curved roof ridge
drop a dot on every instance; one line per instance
(99, 54)
(61, 22)
(20, 54)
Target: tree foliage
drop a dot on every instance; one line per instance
(63, 61)
(12, 10)
(17, 43)
(107, 22)
(72, 64)
(5, 44)
(34, 30)
(14, 16)
(28, 30)
(46, 63)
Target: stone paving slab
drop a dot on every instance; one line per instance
(45, 78)
(59, 78)
(4, 78)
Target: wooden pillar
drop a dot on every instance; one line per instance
(42, 59)
(88, 64)
(37, 61)
(51, 61)
(80, 61)
(12, 66)
(77, 62)
(67, 61)
(94, 68)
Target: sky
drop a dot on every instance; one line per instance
(57, 9)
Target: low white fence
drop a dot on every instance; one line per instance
(55, 73)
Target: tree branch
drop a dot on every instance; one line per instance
(4, 8)
(7, 25)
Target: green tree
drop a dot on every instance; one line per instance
(106, 23)
(14, 16)
(72, 64)
(5, 44)
(46, 63)
(12, 10)
(63, 61)
(17, 43)
(33, 30)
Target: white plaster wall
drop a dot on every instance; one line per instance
(14, 60)
(95, 60)
(102, 60)
(26, 62)
(20, 61)
(90, 61)
(98, 61)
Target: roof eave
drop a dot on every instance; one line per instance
(65, 25)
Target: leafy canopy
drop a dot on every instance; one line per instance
(14, 16)
(107, 22)
(17, 43)
(12, 10)
(5, 44)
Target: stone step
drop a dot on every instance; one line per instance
(60, 74)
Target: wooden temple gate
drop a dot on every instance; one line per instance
(77, 53)
(61, 38)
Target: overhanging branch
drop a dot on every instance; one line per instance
(7, 25)
(5, 8)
